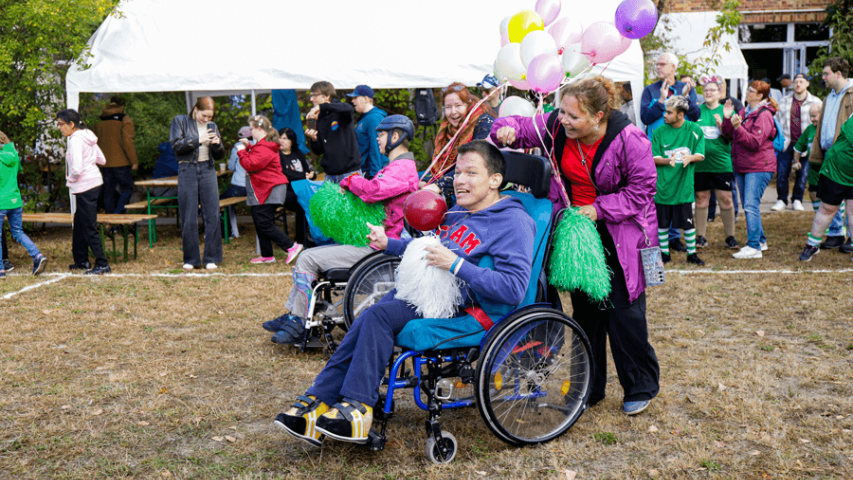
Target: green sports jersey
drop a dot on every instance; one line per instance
(675, 184)
(838, 164)
(804, 145)
(718, 150)
(10, 165)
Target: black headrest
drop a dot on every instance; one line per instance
(531, 171)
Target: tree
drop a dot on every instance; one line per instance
(38, 41)
(839, 18)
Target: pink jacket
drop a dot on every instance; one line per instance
(623, 172)
(82, 158)
(392, 184)
(752, 142)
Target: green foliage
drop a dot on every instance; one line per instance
(606, 438)
(839, 17)
(711, 465)
(152, 115)
(728, 19)
(577, 259)
(37, 40)
(343, 217)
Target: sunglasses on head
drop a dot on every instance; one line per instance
(455, 88)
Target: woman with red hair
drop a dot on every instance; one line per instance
(458, 102)
(753, 158)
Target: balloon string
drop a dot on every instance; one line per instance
(453, 140)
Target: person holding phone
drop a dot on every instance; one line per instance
(197, 144)
(331, 133)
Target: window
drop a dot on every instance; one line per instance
(810, 32)
(764, 33)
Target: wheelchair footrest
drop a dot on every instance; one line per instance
(376, 441)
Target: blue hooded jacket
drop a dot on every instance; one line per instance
(372, 160)
(652, 108)
(504, 231)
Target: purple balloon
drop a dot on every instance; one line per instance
(545, 73)
(636, 18)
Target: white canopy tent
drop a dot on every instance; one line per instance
(687, 32)
(236, 47)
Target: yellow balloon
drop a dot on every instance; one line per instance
(523, 23)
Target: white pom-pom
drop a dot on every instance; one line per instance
(434, 292)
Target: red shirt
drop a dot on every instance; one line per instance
(582, 190)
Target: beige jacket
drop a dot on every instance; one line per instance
(844, 112)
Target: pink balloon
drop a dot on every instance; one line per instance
(566, 32)
(520, 84)
(549, 10)
(504, 39)
(545, 73)
(602, 42)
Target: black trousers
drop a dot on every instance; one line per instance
(121, 178)
(291, 203)
(264, 218)
(5, 241)
(85, 234)
(625, 323)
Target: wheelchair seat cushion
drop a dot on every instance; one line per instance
(440, 333)
(337, 275)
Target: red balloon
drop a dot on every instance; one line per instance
(425, 210)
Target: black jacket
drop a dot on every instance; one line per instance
(294, 166)
(336, 139)
(183, 135)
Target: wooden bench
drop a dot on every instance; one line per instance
(127, 222)
(225, 216)
(143, 205)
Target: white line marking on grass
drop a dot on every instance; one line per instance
(172, 275)
(739, 272)
(37, 285)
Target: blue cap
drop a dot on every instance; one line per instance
(489, 82)
(361, 91)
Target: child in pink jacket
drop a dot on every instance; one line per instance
(392, 185)
(84, 181)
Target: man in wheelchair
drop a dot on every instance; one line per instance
(391, 185)
(339, 404)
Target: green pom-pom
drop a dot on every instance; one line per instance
(577, 257)
(343, 217)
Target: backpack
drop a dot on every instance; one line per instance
(426, 110)
(779, 140)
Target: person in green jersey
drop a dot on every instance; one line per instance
(715, 171)
(676, 145)
(834, 186)
(801, 150)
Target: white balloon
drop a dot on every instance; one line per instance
(516, 106)
(509, 62)
(573, 61)
(505, 25)
(537, 43)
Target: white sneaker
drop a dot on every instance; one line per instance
(748, 252)
(764, 246)
(779, 206)
(798, 206)
(187, 266)
(210, 266)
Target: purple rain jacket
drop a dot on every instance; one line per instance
(625, 178)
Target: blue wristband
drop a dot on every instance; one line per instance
(453, 265)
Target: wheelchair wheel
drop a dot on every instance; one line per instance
(534, 377)
(431, 448)
(368, 284)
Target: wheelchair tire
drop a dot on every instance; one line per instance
(368, 284)
(534, 377)
(431, 448)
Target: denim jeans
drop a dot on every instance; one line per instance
(751, 188)
(15, 225)
(338, 178)
(121, 177)
(197, 187)
(783, 171)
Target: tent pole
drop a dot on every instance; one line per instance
(254, 107)
(189, 101)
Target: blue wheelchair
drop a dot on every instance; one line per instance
(529, 375)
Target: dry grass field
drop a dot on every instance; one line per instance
(151, 373)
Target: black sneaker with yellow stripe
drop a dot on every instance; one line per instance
(347, 421)
(300, 421)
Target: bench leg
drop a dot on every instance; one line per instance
(135, 239)
(226, 222)
(124, 234)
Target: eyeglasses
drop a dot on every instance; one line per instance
(455, 88)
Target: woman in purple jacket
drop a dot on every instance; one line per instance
(753, 159)
(607, 167)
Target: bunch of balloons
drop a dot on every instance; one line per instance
(532, 59)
